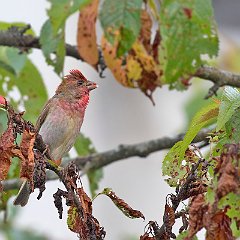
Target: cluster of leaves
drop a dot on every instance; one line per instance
(218, 214)
(218, 175)
(145, 44)
(146, 55)
(17, 142)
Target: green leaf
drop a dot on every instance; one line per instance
(30, 85)
(53, 43)
(3, 121)
(188, 31)
(232, 202)
(121, 20)
(84, 147)
(233, 127)
(183, 236)
(172, 163)
(11, 60)
(60, 10)
(52, 37)
(230, 101)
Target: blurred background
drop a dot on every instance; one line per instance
(117, 115)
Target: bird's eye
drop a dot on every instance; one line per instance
(79, 82)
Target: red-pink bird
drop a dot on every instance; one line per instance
(61, 119)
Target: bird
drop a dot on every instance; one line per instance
(60, 121)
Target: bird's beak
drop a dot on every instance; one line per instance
(91, 85)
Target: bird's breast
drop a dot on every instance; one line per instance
(61, 128)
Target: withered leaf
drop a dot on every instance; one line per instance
(145, 32)
(228, 177)
(155, 45)
(197, 209)
(27, 162)
(114, 63)
(146, 236)
(86, 35)
(88, 226)
(122, 205)
(218, 228)
(169, 215)
(86, 202)
(58, 200)
(6, 150)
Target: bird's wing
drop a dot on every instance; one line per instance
(43, 115)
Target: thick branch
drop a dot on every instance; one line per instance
(218, 77)
(98, 160)
(15, 38)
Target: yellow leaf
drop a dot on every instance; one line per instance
(134, 69)
(114, 63)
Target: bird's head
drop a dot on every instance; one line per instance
(75, 85)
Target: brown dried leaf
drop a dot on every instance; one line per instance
(197, 210)
(169, 220)
(122, 205)
(27, 161)
(155, 45)
(87, 227)
(150, 70)
(145, 236)
(86, 35)
(145, 32)
(228, 177)
(39, 176)
(218, 228)
(58, 200)
(86, 202)
(169, 215)
(6, 150)
(114, 63)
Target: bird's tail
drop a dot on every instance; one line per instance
(23, 194)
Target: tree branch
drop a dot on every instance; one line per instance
(98, 160)
(15, 37)
(218, 77)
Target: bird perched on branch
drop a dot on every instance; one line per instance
(60, 121)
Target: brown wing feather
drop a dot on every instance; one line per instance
(43, 115)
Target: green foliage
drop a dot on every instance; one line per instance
(230, 101)
(195, 102)
(183, 235)
(84, 147)
(232, 202)
(121, 20)
(11, 60)
(52, 37)
(172, 164)
(24, 77)
(188, 31)
(53, 43)
(232, 127)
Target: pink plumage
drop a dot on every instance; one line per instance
(61, 119)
